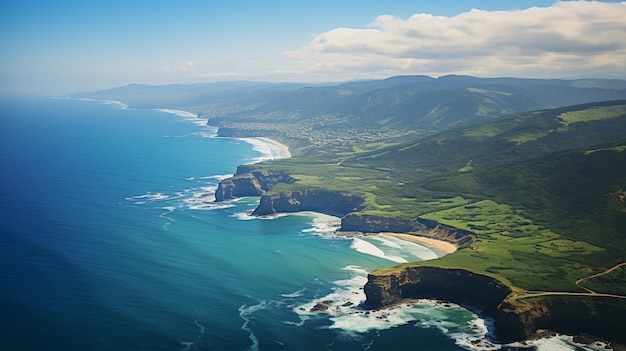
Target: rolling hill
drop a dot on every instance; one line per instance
(541, 194)
(396, 108)
(527, 175)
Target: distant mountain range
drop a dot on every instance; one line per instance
(418, 103)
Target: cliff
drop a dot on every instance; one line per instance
(514, 319)
(330, 202)
(460, 237)
(358, 222)
(249, 183)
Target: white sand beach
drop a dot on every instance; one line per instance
(284, 148)
(440, 245)
(269, 148)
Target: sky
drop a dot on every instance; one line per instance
(65, 46)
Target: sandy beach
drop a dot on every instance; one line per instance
(433, 243)
(270, 149)
(284, 148)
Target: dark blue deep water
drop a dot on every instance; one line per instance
(110, 240)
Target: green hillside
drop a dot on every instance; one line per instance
(543, 191)
(344, 115)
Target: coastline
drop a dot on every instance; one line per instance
(283, 148)
(443, 246)
(270, 149)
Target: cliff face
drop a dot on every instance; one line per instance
(460, 237)
(246, 183)
(356, 222)
(318, 200)
(455, 285)
(514, 320)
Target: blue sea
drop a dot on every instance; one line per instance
(110, 239)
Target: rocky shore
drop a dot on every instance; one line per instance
(515, 319)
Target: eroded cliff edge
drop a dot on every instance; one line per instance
(247, 182)
(515, 318)
(250, 182)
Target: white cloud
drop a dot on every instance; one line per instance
(185, 67)
(568, 38)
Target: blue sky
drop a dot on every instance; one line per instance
(58, 47)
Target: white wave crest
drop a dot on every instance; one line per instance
(268, 150)
(323, 225)
(148, 197)
(179, 113)
(218, 176)
(293, 294)
(559, 342)
(247, 216)
(343, 308)
(368, 248)
(405, 248)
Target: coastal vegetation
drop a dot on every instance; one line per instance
(532, 171)
(548, 199)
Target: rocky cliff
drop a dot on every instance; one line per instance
(359, 222)
(330, 202)
(457, 285)
(459, 237)
(514, 319)
(249, 183)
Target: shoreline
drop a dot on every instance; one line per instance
(283, 148)
(443, 246)
(270, 149)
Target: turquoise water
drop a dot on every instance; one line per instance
(110, 240)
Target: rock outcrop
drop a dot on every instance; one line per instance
(459, 237)
(456, 285)
(358, 222)
(330, 202)
(514, 319)
(249, 183)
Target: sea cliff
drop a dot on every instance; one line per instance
(249, 183)
(515, 318)
(335, 203)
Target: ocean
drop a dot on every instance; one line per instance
(110, 239)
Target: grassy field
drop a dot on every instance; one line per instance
(611, 283)
(514, 249)
(542, 192)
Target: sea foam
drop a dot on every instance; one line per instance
(186, 116)
(268, 150)
(368, 248)
(343, 308)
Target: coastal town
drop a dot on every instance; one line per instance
(324, 130)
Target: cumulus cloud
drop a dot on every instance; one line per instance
(566, 39)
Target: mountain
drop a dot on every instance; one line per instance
(398, 108)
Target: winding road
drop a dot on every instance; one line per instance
(589, 292)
